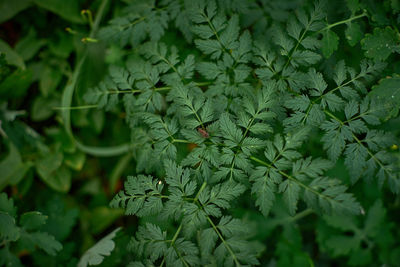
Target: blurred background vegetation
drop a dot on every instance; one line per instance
(41, 167)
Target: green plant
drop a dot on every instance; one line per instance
(253, 132)
(252, 105)
(24, 235)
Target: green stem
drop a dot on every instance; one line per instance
(99, 16)
(338, 87)
(343, 22)
(180, 141)
(199, 192)
(241, 142)
(298, 43)
(180, 256)
(132, 91)
(173, 245)
(214, 32)
(196, 115)
(292, 219)
(360, 143)
(235, 259)
(132, 23)
(180, 228)
(75, 108)
(324, 29)
(173, 242)
(203, 84)
(260, 161)
(291, 178)
(162, 88)
(67, 95)
(177, 233)
(118, 170)
(301, 215)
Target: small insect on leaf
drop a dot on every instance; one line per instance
(203, 132)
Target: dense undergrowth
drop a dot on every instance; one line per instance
(199, 133)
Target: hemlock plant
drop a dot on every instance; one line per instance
(249, 93)
(262, 132)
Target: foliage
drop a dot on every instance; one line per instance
(251, 133)
(25, 234)
(95, 255)
(357, 241)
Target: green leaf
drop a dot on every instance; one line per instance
(208, 70)
(264, 188)
(209, 47)
(121, 77)
(95, 255)
(9, 9)
(7, 205)
(335, 138)
(32, 220)
(375, 219)
(49, 80)
(61, 219)
(12, 57)
(151, 238)
(388, 93)
(291, 192)
(42, 240)
(229, 130)
(330, 43)
(52, 172)
(353, 33)
(68, 10)
(381, 43)
(231, 33)
(29, 45)
(75, 161)
(219, 197)
(49, 163)
(342, 245)
(16, 84)
(332, 199)
(353, 5)
(316, 81)
(12, 168)
(43, 108)
(236, 249)
(141, 197)
(8, 229)
(63, 46)
(351, 239)
(305, 58)
(7, 258)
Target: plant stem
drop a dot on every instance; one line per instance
(98, 18)
(173, 241)
(343, 22)
(224, 242)
(301, 215)
(180, 228)
(68, 92)
(361, 144)
(199, 192)
(180, 141)
(75, 108)
(293, 179)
